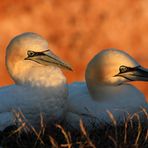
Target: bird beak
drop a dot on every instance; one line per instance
(46, 58)
(136, 74)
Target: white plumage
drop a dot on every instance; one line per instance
(106, 89)
(40, 86)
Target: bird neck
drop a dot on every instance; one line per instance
(39, 76)
(106, 92)
(47, 77)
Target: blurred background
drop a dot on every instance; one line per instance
(78, 29)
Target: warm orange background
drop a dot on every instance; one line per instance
(78, 29)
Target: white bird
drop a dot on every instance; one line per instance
(106, 89)
(40, 86)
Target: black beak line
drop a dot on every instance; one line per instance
(135, 73)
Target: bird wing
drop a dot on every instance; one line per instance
(15, 96)
(81, 105)
(79, 98)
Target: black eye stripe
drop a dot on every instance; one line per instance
(33, 53)
(124, 69)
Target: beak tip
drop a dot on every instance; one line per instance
(69, 68)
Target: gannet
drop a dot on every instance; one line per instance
(40, 86)
(106, 89)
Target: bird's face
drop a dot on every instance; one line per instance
(46, 58)
(115, 67)
(29, 50)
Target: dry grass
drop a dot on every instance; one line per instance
(132, 133)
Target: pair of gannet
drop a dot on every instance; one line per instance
(106, 89)
(40, 86)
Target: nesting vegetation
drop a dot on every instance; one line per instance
(132, 133)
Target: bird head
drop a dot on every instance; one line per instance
(27, 51)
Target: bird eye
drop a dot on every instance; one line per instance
(30, 53)
(123, 69)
